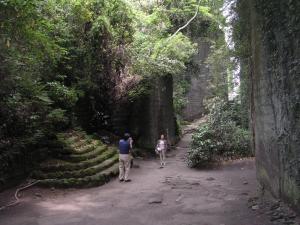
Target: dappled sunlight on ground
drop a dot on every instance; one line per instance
(174, 195)
(79, 203)
(60, 207)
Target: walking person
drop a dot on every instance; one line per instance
(124, 158)
(161, 149)
(130, 140)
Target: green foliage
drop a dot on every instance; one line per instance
(202, 148)
(221, 69)
(153, 53)
(140, 90)
(209, 15)
(58, 118)
(179, 96)
(219, 137)
(63, 96)
(59, 60)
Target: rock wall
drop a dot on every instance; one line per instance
(198, 74)
(149, 115)
(275, 95)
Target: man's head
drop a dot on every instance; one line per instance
(126, 136)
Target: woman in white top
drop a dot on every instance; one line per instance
(161, 149)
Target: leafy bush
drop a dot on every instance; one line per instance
(57, 119)
(63, 96)
(219, 137)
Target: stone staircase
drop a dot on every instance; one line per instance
(82, 161)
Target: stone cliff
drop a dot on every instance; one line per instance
(149, 115)
(275, 95)
(197, 74)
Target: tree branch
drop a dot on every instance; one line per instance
(184, 26)
(17, 200)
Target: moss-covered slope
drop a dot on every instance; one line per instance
(83, 161)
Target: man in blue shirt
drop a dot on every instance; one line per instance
(124, 158)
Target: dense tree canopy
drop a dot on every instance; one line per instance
(65, 63)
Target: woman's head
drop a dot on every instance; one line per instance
(162, 136)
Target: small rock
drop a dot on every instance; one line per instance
(277, 217)
(292, 216)
(255, 207)
(155, 200)
(38, 195)
(289, 222)
(139, 157)
(244, 193)
(179, 198)
(275, 206)
(53, 189)
(210, 178)
(245, 182)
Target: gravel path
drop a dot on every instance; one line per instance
(174, 195)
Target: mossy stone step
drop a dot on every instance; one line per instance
(83, 149)
(88, 147)
(83, 143)
(60, 165)
(72, 138)
(78, 173)
(77, 144)
(83, 156)
(81, 161)
(89, 181)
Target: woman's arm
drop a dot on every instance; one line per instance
(131, 142)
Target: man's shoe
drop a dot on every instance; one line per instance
(128, 180)
(121, 180)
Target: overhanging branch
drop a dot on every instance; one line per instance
(184, 26)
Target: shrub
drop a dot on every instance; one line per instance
(63, 96)
(57, 119)
(219, 137)
(201, 151)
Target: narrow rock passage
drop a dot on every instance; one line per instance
(174, 195)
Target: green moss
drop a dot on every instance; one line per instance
(81, 172)
(262, 175)
(89, 181)
(69, 166)
(291, 190)
(83, 162)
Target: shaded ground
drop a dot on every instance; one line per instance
(174, 195)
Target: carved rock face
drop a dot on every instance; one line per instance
(150, 115)
(198, 75)
(275, 96)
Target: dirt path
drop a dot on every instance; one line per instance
(174, 195)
